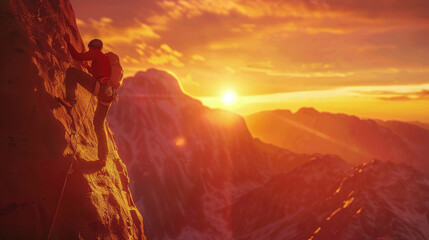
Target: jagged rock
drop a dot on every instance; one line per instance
(38, 137)
(324, 199)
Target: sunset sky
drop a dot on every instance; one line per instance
(368, 58)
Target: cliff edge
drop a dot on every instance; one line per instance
(39, 138)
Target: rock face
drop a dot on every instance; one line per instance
(39, 137)
(355, 140)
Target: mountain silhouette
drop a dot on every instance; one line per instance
(354, 139)
(188, 162)
(198, 173)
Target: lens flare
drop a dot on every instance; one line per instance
(180, 141)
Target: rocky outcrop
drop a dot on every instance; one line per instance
(39, 138)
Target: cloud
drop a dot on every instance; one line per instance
(255, 9)
(106, 30)
(372, 47)
(375, 92)
(396, 98)
(397, 95)
(377, 9)
(80, 23)
(263, 46)
(223, 46)
(197, 57)
(301, 8)
(245, 27)
(169, 50)
(165, 55)
(421, 95)
(296, 74)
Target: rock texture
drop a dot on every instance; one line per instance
(286, 206)
(324, 199)
(38, 137)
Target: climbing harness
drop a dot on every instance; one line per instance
(70, 170)
(109, 91)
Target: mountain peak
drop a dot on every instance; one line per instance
(321, 165)
(154, 81)
(281, 111)
(386, 170)
(307, 111)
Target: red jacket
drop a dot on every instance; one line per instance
(100, 64)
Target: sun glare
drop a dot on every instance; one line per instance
(229, 98)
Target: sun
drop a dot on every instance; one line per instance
(229, 98)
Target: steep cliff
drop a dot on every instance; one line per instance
(39, 137)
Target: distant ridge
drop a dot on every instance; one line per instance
(354, 139)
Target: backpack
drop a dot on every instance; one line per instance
(117, 71)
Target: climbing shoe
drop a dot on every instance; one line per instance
(102, 162)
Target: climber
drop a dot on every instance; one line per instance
(97, 83)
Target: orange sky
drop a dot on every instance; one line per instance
(369, 58)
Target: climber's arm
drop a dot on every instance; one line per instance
(86, 56)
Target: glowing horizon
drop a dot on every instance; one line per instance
(345, 100)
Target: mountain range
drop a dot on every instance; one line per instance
(354, 139)
(199, 173)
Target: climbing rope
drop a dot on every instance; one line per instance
(70, 170)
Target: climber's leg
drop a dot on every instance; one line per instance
(74, 76)
(100, 131)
